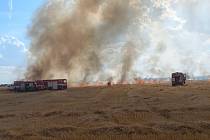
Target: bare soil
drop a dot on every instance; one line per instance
(123, 112)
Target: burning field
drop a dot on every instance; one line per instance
(146, 111)
(108, 51)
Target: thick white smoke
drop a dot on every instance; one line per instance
(182, 32)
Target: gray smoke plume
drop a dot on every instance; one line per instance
(70, 42)
(93, 40)
(129, 57)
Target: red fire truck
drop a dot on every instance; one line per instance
(57, 84)
(40, 85)
(178, 78)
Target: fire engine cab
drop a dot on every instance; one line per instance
(22, 86)
(178, 78)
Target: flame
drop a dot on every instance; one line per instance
(140, 82)
(108, 83)
(84, 84)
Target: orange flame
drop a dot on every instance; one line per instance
(108, 83)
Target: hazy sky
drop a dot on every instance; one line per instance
(182, 26)
(15, 17)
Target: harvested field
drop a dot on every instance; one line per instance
(124, 112)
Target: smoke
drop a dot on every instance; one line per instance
(118, 40)
(129, 57)
(71, 43)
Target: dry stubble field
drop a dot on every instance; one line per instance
(121, 112)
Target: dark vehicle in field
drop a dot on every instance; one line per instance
(21, 86)
(178, 79)
(27, 86)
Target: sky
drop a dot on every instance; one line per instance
(15, 18)
(179, 27)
